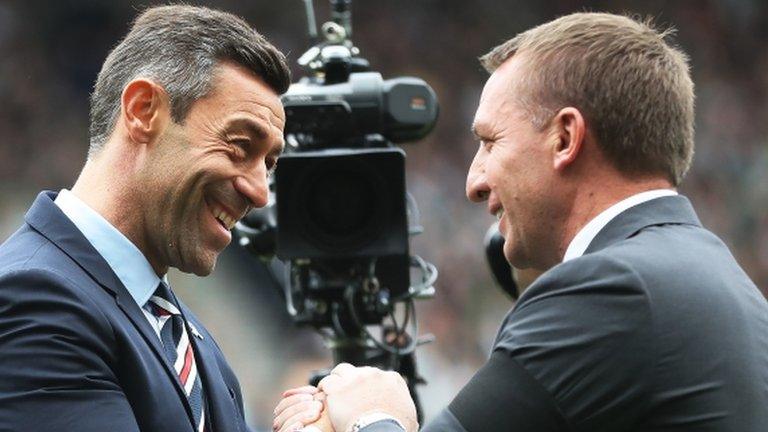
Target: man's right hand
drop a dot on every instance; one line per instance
(354, 392)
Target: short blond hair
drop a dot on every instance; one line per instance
(633, 87)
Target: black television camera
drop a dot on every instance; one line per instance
(340, 216)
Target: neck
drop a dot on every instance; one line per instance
(592, 199)
(106, 184)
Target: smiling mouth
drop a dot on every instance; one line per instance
(496, 209)
(225, 219)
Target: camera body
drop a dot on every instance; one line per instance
(340, 188)
(342, 226)
(340, 214)
(340, 114)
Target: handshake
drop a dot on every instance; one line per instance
(347, 400)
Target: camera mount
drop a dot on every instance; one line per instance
(339, 216)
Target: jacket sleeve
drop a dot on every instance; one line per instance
(572, 355)
(583, 334)
(55, 372)
(445, 421)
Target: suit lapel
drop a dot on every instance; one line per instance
(222, 413)
(135, 314)
(46, 218)
(674, 209)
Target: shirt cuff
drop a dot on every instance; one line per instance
(375, 418)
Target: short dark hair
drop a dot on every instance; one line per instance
(179, 46)
(633, 87)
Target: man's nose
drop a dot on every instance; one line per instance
(477, 184)
(255, 188)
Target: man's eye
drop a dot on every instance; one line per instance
(271, 166)
(243, 143)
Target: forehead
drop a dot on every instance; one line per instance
(498, 95)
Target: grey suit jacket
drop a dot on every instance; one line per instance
(654, 328)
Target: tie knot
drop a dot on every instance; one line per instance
(162, 301)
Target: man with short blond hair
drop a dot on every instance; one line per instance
(634, 88)
(643, 320)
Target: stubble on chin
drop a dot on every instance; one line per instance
(206, 268)
(200, 262)
(188, 257)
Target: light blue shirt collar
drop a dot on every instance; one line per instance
(126, 260)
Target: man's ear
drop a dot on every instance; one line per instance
(570, 130)
(145, 110)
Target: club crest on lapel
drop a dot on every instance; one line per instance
(194, 331)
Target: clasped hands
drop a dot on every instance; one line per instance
(345, 396)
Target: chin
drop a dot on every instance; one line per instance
(203, 271)
(509, 253)
(201, 266)
(514, 257)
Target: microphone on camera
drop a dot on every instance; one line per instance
(500, 268)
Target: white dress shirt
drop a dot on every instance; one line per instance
(585, 236)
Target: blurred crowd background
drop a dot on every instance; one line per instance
(51, 51)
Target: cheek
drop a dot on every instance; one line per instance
(505, 181)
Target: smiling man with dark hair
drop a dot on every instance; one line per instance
(186, 124)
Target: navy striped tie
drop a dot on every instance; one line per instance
(178, 349)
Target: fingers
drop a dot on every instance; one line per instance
(329, 383)
(351, 392)
(290, 401)
(294, 409)
(343, 369)
(397, 376)
(308, 389)
(345, 372)
(293, 427)
(341, 373)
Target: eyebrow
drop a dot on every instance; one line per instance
(251, 127)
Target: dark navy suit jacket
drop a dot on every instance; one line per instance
(76, 351)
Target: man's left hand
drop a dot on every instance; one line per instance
(300, 407)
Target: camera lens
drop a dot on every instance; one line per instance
(341, 203)
(342, 206)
